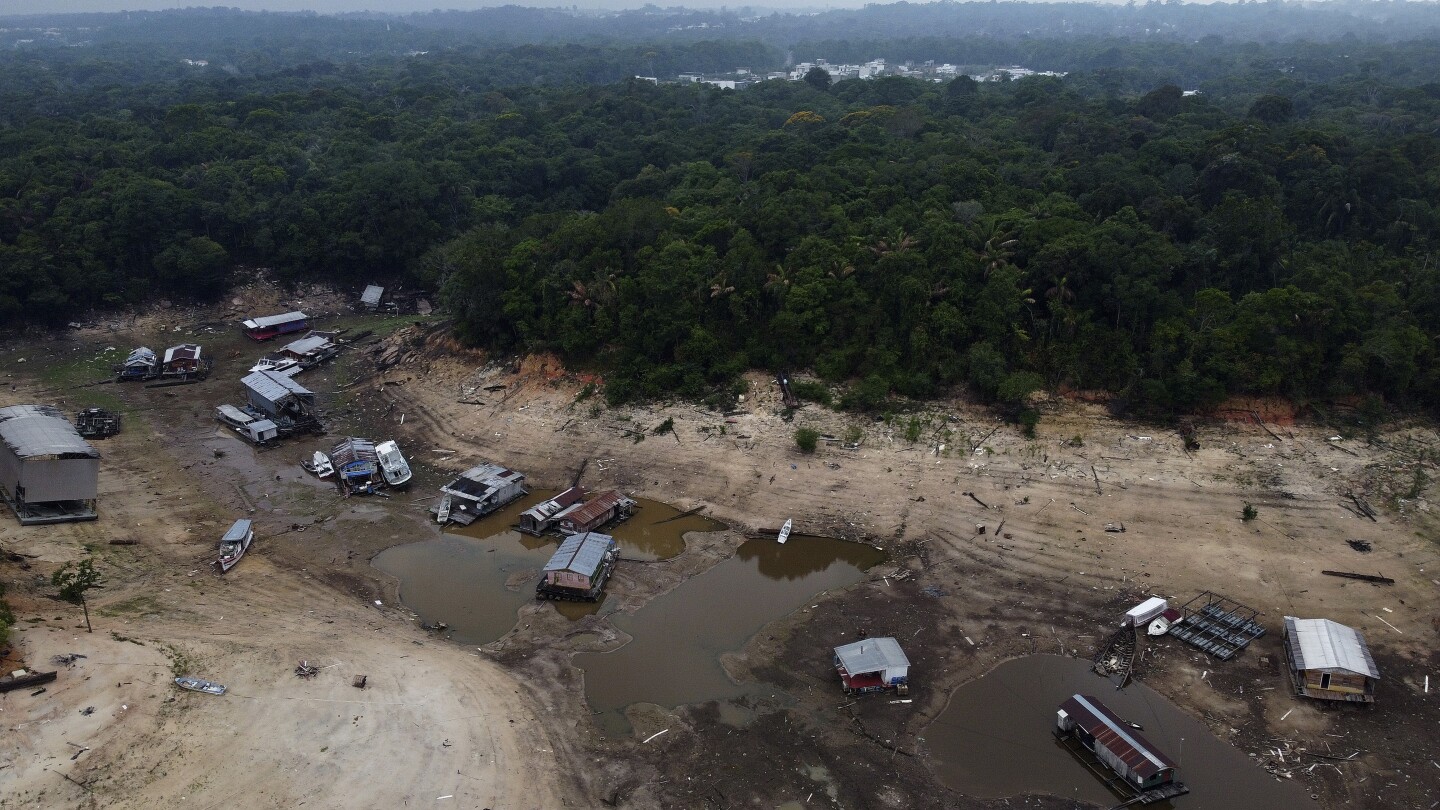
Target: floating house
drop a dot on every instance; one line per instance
(479, 491)
(601, 509)
(48, 472)
(357, 462)
(311, 350)
(373, 300)
(540, 518)
(579, 568)
(269, 326)
(142, 364)
(1144, 771)
(276, 394)
(183, 362)
(1329, 661)
(873, 665)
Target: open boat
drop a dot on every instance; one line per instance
(785, 531)
(197, 685)
(279, 364)
(319, 464)
(442, 514)
(235, 543)
(393, 465)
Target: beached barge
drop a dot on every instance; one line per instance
(873, 665)
(1133, 766)
(477, 492)
(578, 570)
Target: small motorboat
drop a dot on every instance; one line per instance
(198, 685)
(442, 514)
(785, 531)
(319, 464)
(279, 364)
(393, 465)
(235, 543)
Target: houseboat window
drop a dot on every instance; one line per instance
(1325, 680)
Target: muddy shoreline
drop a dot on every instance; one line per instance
(1051, 580)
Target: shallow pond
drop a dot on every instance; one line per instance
(460, 577)
(994, 740)
(677, 640)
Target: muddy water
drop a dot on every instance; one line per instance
(461, 577)
(993, 740)
(674, 656)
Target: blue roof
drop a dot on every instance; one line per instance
(237, 532)
(581, 553)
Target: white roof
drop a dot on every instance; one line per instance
(309, 343)
(274, 320)
(871, 655)
(1323, 644)
(32, 431)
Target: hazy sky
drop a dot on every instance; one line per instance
(391, 6)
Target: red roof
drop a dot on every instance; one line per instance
(1139, 755)
(594, 509)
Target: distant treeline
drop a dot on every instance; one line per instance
(1272, 235)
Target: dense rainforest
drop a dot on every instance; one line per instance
(1114, 229)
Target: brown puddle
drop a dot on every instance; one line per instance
(674, 656)
(460, 577)
(994, 740)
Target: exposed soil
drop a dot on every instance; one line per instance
(1050, 580)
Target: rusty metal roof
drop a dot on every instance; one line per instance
(595, 508)
(1139, 755)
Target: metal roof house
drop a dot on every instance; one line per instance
(596, 512)
(1143, 768)
(183, 361)
(372, 297)
(1329, 661)
(277, 395)
(48, 473)
(479, 491)
(142, 364)
(579, 568)
(872, 665)
(311, 350)
(268, 326)
(540, 518)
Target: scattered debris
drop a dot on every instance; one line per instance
(66, 659)
(306, 670)
(359, 681)
(1359, 545)
(1115, 527)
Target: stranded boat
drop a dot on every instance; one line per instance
(785, 531)
(279, 364)
(320, 465)
(235, 543)
(393, 466)
(197, 685)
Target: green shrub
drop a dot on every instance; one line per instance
(812, 390)
(1249, 513)
(806, 439)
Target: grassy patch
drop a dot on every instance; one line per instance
(139, 606)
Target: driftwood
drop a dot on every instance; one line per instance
(10, 682)
(976, 445)
(1365, 577)
(1261, 423)
(688, 513)
(977, 500)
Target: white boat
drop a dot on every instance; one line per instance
(235, 543)
(393, 465)
(785, 531)
(198, 685)
(288, 366)
(442, 514)
(319, 464)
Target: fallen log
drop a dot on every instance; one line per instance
(1365, 577)
(10, 682)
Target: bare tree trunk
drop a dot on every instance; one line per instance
(86, 606)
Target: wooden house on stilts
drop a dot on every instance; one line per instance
(1328, 661)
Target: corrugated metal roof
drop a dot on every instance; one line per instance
(481, 481)
(581, 553)
(1323, 644)
(272, 386)
(41, 430)
(547, 509)
(274, 320)
(1138, 754)
(871, 655)
(372, 295)
(142, 356)
(307, 344)
(352, 450)
(595, 507)
(237, 531)
(185, 351)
